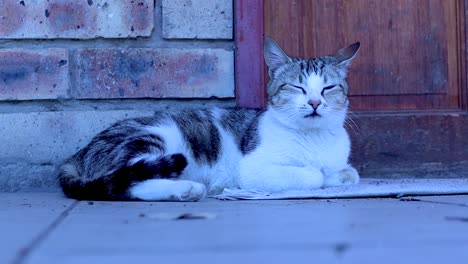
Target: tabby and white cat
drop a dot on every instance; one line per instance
(298, 143)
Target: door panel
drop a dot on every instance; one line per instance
(409, 59)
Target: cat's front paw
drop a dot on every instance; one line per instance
(189, 191)
(168, 190)
(346, 176)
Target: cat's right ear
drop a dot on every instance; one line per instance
(274, 55)
(346, 55)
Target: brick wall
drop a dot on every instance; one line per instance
(69, 68)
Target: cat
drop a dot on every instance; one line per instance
(297, 143)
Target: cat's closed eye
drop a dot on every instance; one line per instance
(300, 88)
(327, 88)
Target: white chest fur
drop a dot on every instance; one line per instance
(326, 149)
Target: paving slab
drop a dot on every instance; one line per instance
(433, 229)
(24, 218)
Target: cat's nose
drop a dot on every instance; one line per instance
(314, 103)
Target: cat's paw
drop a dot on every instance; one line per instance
(190, 191)
(346, 176)
(168, 190)
(313, 178)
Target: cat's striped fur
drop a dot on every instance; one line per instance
(298, 142)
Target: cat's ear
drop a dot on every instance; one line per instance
(346, 55)
(274, 55)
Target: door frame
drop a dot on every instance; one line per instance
(249, 67)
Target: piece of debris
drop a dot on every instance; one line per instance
(90, 203)
(409, 199)
(400, 195)
(457, 218)
(178, 216)
(341, 248)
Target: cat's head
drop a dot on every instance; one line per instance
(308, 93)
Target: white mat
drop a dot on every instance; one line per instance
(366, 188)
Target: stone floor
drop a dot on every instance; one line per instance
(48, 228)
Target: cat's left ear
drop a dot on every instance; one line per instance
(274, 55)
(346, 55)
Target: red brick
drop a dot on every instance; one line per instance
(76, 19)
(33, 74)
(155, 73)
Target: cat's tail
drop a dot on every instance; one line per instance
(114, 187)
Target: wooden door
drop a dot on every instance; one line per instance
(408, 94)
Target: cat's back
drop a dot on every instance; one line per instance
(242, 124)
(202, 130)
(208, 132)
(192, 123)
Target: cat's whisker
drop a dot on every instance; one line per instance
(349, 122)
(351, 128)
(352, 113)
